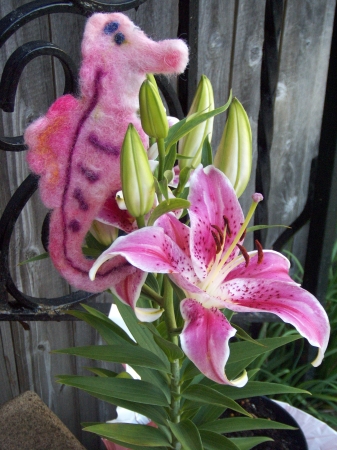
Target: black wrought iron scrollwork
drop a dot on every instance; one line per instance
(22, 305)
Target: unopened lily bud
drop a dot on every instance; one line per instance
(104, 233)
(137, 179)
(152, 111)
(120, 201)
(234, 154)
(191, 145)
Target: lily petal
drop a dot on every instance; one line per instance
(213, 202)
(148, 249)
(274, 266)
(148, 314)
(128, 289)
(288, 301)
(204, 340)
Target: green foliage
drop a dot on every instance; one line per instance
(291, 363)
(202, 401)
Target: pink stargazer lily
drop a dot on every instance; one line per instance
(204, 260)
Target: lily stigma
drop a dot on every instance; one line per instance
(208, 262)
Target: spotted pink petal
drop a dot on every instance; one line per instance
(112, 446)
(150, 250)
(111, 214)
(204, 340)
(288, 301)
(128, 289)
(274, 266)
(212, 198)
(177, 231)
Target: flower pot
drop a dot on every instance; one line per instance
(264, 408)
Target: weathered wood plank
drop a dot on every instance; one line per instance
(305, 47)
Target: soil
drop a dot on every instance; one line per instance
(263, 408)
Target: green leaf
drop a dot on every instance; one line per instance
(189, 371)
(249, 442)
(93, 243)
(263, 227)
(34, 258)
(142, 335)
(138, 391)
(101, 372)
(204, 394)
(152, 282)
(139, 435)
(167, 206)
(234, 424)
(207, 413)
(170, 158)
(240, 333)
(207, 154)
(171, 350)
(187, 434)
(121, 353)
(214, 441)
(257, 388)
(110, 332)
(243, 353)
(180, 129)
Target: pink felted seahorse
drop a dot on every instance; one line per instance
(75, 147)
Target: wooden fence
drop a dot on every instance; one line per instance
(227, 40)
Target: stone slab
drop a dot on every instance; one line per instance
(26, 423)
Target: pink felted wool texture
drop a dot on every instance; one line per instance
(75, 147)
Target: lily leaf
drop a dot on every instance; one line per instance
(187, 434)
(171, 350)
(110, 332)
(204, 394)
(257, 388)
(263, 227)
(249, 442)
(168, 206)
(180, 129)
(233, 424)
(138, 435)
(121, 353)
(102, 372)
(136, 391)
(240, 333)
(206, 154)
(34, 258)
(214, 441)
(243, 353)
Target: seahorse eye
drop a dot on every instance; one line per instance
(119, 38)
(111, 27)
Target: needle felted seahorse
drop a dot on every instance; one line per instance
(75, 147)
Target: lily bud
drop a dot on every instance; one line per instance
(152, 111)
(191, 145)
(104, 233)
(137, 179)
(234, 154)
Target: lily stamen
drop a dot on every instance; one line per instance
(259, 251)
(220, 233)
(226, 221)
(217, 242)
(244, 253)
(215, 272)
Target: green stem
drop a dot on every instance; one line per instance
(140, 222)
(153, 295)
(161, 152)
(171, 325)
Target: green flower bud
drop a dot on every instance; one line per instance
(234, 154)
(191, 144)
(152, 111)
(103, 233)
(137, 179)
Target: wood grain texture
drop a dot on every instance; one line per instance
(230, 51)
(305, 47)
